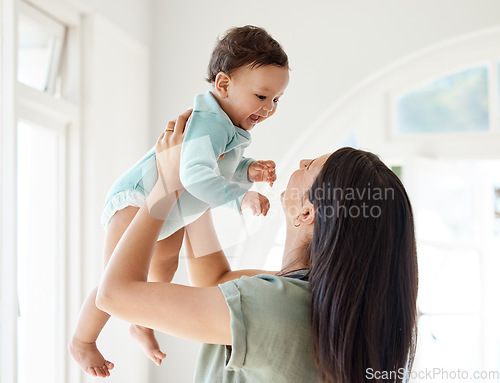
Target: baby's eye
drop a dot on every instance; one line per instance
(276, 100)
(261, 97)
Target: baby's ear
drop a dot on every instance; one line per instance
(222, 81)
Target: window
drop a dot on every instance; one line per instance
(457, 248)
(450, 305)
(39, 179)
(39, 52)
(40, 244)
(40, 209)
(454, 103)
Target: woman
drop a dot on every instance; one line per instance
(343, 307)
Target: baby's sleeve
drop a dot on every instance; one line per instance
(206, 138)
(241, 172)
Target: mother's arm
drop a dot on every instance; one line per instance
(206, 261)
(199, 314)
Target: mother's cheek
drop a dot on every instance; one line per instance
(291, 202)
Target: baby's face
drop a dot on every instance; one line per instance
(253, 94)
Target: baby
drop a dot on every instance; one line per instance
(248, 73)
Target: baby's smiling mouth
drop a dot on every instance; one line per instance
(254, 118)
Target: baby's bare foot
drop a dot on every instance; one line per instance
(146, 339)
(89, 358)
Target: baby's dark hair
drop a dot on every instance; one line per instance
(242, 46)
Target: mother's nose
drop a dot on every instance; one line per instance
(303, 163)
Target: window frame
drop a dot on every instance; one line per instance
(8, 190)
(61, 112)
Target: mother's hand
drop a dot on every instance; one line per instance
(168, 187)
(168, 151)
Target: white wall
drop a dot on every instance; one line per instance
(115, 122)
(131, 16)
(332, 45)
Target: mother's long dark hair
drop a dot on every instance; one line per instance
(363, 271)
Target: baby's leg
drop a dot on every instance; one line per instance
(91, 321)
(162, 269)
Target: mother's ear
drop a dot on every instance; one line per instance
(307, 214)
(221, 84)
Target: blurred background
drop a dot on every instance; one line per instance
(87, 86)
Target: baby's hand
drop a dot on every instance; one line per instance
(258, 203)
(262, 171)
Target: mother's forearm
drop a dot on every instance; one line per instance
(206, 262)
(131, 258)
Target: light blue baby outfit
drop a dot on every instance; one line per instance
(207, 182)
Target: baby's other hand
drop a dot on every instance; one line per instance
(262, 171)
(258, 203)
